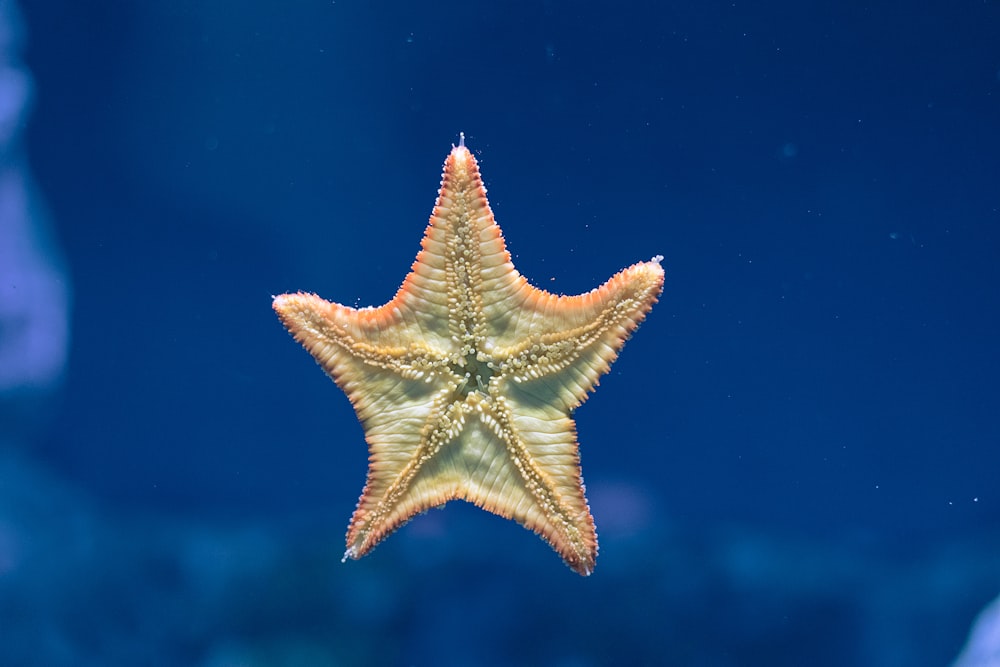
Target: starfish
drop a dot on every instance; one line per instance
(466, 381)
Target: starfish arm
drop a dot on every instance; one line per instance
(577, 338)
(545, 491)
(461, 247)
(405, 475)
(343, 340)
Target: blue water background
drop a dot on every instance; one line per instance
(793, 462)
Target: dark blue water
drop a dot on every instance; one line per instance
(793, 461)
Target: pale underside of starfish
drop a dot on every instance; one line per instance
(466, 381)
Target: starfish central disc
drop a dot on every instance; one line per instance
(477, 374)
